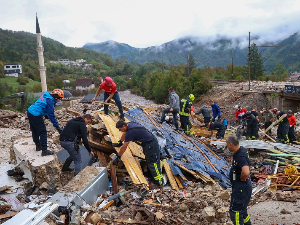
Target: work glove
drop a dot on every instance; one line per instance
(59, 129)
(118, 144)
(216, 118)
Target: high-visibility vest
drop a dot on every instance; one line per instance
(185, 107)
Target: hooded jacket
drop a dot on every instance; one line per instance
(174, 101)
(44, 106)
(75, 128)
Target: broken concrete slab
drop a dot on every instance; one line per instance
(37, 168)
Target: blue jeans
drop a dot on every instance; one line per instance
(38, 129)
(74, 155)
(117, 99)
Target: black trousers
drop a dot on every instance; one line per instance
(291, 134)
(267, 124)
(240, 198)
(252, 133)
(282, 132)
(185, 124)
(38, 129)
(220, 134)
(152, 155)
(174, 112)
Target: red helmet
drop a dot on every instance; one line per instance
(108, 80)
(274, 110)
(58, 93)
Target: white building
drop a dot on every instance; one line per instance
(12, 70)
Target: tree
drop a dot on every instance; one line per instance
(256, 63)
(279, 72)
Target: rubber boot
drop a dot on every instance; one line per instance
(66, 166)
(45, 151)
(122, 117)
(38, 147)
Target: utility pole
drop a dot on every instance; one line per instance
(188, 61)
(249, 57)
(232, 64)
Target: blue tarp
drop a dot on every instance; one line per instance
(178, 148)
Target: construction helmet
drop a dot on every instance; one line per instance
(57, 93)
(274, 110)
(108, 80)
(192, 97)
(290, 111)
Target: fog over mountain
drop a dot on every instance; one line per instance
(214, 51)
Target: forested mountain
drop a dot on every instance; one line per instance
(19, 46)
(217, 52)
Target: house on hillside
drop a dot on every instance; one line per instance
(294, 77)
(84, 84)
(12, 70)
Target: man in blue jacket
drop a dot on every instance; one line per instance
(216, 111)
(44, 106)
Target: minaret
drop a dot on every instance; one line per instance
(40, 50)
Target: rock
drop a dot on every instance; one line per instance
(224, 195)
(221, 212)
(183, 207)
(209, 213)
(159, 215)
(95, 218)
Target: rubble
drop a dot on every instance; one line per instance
(192, 195)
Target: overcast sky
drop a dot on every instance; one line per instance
(141, 23)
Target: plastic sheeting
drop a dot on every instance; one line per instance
(177, 148)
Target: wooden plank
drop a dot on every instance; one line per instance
(190, 171)
(7, 215)
(138, 162)
(178, 181)
(75, 113)
(133, 169)
(170, 175)
(150, 109)
(113, 177)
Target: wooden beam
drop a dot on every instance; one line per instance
(8, 215)
(75, 113)
(113, 177)
(133, 169)
(170, 175)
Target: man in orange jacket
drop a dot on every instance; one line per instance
(292, 123)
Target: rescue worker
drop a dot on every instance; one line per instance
(139, 134)
(269, 118)
(74, 131)
(240, 182)
(110, 92)
(251, 126)
(239, 114)
(185, 112)
(218, 127)
(283, 126)
(292, 123)
(206, 114)
(255, 113)
(216, 111)
(173, 107)
(43, 107)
